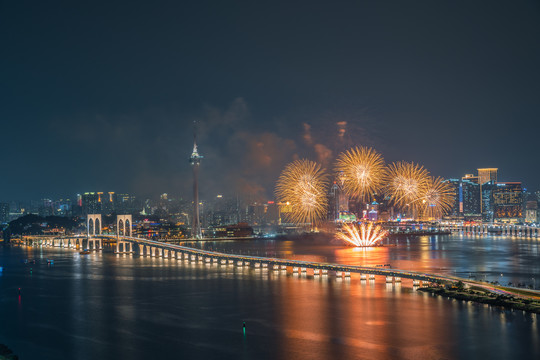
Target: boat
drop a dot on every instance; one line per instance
(85, 252)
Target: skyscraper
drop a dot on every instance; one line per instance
(507, 202)
(4, 213)
(195, 161)
(487, 174)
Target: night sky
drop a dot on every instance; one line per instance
(102, 95)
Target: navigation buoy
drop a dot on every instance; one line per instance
(19, 291)
(244, 327)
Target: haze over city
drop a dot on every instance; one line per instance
(110, 91)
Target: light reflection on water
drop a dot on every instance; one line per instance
(479, 257)
(110, 307)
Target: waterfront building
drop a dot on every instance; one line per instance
(466, 203)
(531, 211)
(487, 201)
(507, 202)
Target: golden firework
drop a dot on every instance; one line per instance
(436, 198)
(406, 182)
(362, 235)
(362, 170)
(303, 185)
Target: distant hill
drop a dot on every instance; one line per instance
(36, 225)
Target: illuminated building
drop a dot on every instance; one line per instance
(531, 212)
(195, 161)
(338, 202)
(467, 198)
(487, 174)
(373, 211)
(108, 202)
(470, 177)
(507, 202)
(91, 203)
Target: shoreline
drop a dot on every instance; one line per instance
(484, 297)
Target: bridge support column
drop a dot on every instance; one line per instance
(371, 276)
(316, 272)
(347, 274)
(303, 269)
(397, 279)
(363, 277)
(389, 279)
(275, 267)
(256, 265)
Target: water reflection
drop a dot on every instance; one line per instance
(111, 307)
(479, 257)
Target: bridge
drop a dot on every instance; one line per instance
(496, 229)
(146, 247)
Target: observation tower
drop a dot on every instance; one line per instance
(195, 161)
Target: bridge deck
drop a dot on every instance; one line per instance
(287, 262)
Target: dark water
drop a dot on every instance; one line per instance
(124, 307)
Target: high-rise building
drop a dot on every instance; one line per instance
(108, 202)
(470, 177)
(467, 197)
(4, 213)
(456, 207)
(531, 211)
(487, 174)
(125, 204)
(471, 198)
(91, 203)
(338, 201)
(507, 202)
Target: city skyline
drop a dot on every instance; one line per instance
(270, 180)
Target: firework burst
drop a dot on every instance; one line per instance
(406, 182)
(363, 172)
(436, 199)
(362, 235)
(303, 184)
